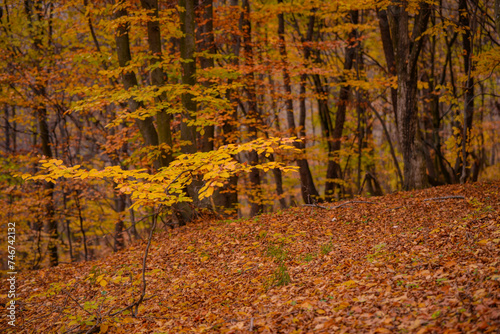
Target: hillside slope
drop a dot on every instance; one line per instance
(399, 264)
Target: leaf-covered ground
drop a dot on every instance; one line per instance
(400, 264)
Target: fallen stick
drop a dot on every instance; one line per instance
(317, 206)
(351, 202)
(443, 198)
(338, 206)
(398, 207)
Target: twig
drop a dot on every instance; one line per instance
(141, 298)
(443, 198)
(338, 206)
(77, 303)
(136, 304)
(398, 207)
(351, 202)
(317, 206)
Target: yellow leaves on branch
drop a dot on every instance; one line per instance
(166, 187)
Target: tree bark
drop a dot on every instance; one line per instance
(187, 46)
(407, 52)
(163, 118)
(497, 15)
(256, 206)
(119, 240)
(228, 199)
(146, 126)
(334, 170)
(34, 13)
(468, 111)
(385, 34)
(308, 188)
(207, 44)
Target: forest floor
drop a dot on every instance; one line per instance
(404, 263)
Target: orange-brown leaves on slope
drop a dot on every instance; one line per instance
(399, 264)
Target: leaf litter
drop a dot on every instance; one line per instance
(410, 262)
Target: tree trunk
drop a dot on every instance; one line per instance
(34, 13)
(228, 199)
(308, 189)
(187, 46)
(333, 170)
(497, 15)
(385, 34)
(50, 227)
(163, 118)
(120, 204)
(468, 111)
(407, 51)
(256, 206)
(208, 45)
(129, 80)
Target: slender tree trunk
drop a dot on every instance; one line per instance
(497, 15)
(14, 131)
(256, 205)
(34, 12)
(228, 199)
(82, 228)
(208, 45)
(7, 128)
(385, 34)
(68, 228)
(333, 170)
(119, 240)
(468, 111)
(187, 46)
(308, 189)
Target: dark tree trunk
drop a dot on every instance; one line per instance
(497, 15)
(50, 227)
(406, 54)
(34, 12)
(308, 189)
(385, 34)
(468, 111)
(119, 239)
(163, 118)
(146, 126)
(256, 206)
(334, 170)
(188, 47)
(7, 129)
(207, 44)
(228, 199)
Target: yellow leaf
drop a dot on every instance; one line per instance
(483, 242)
(104, 328)
(103, 283)
(349, 283)
(306, 305)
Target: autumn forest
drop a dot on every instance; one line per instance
(121, 118)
